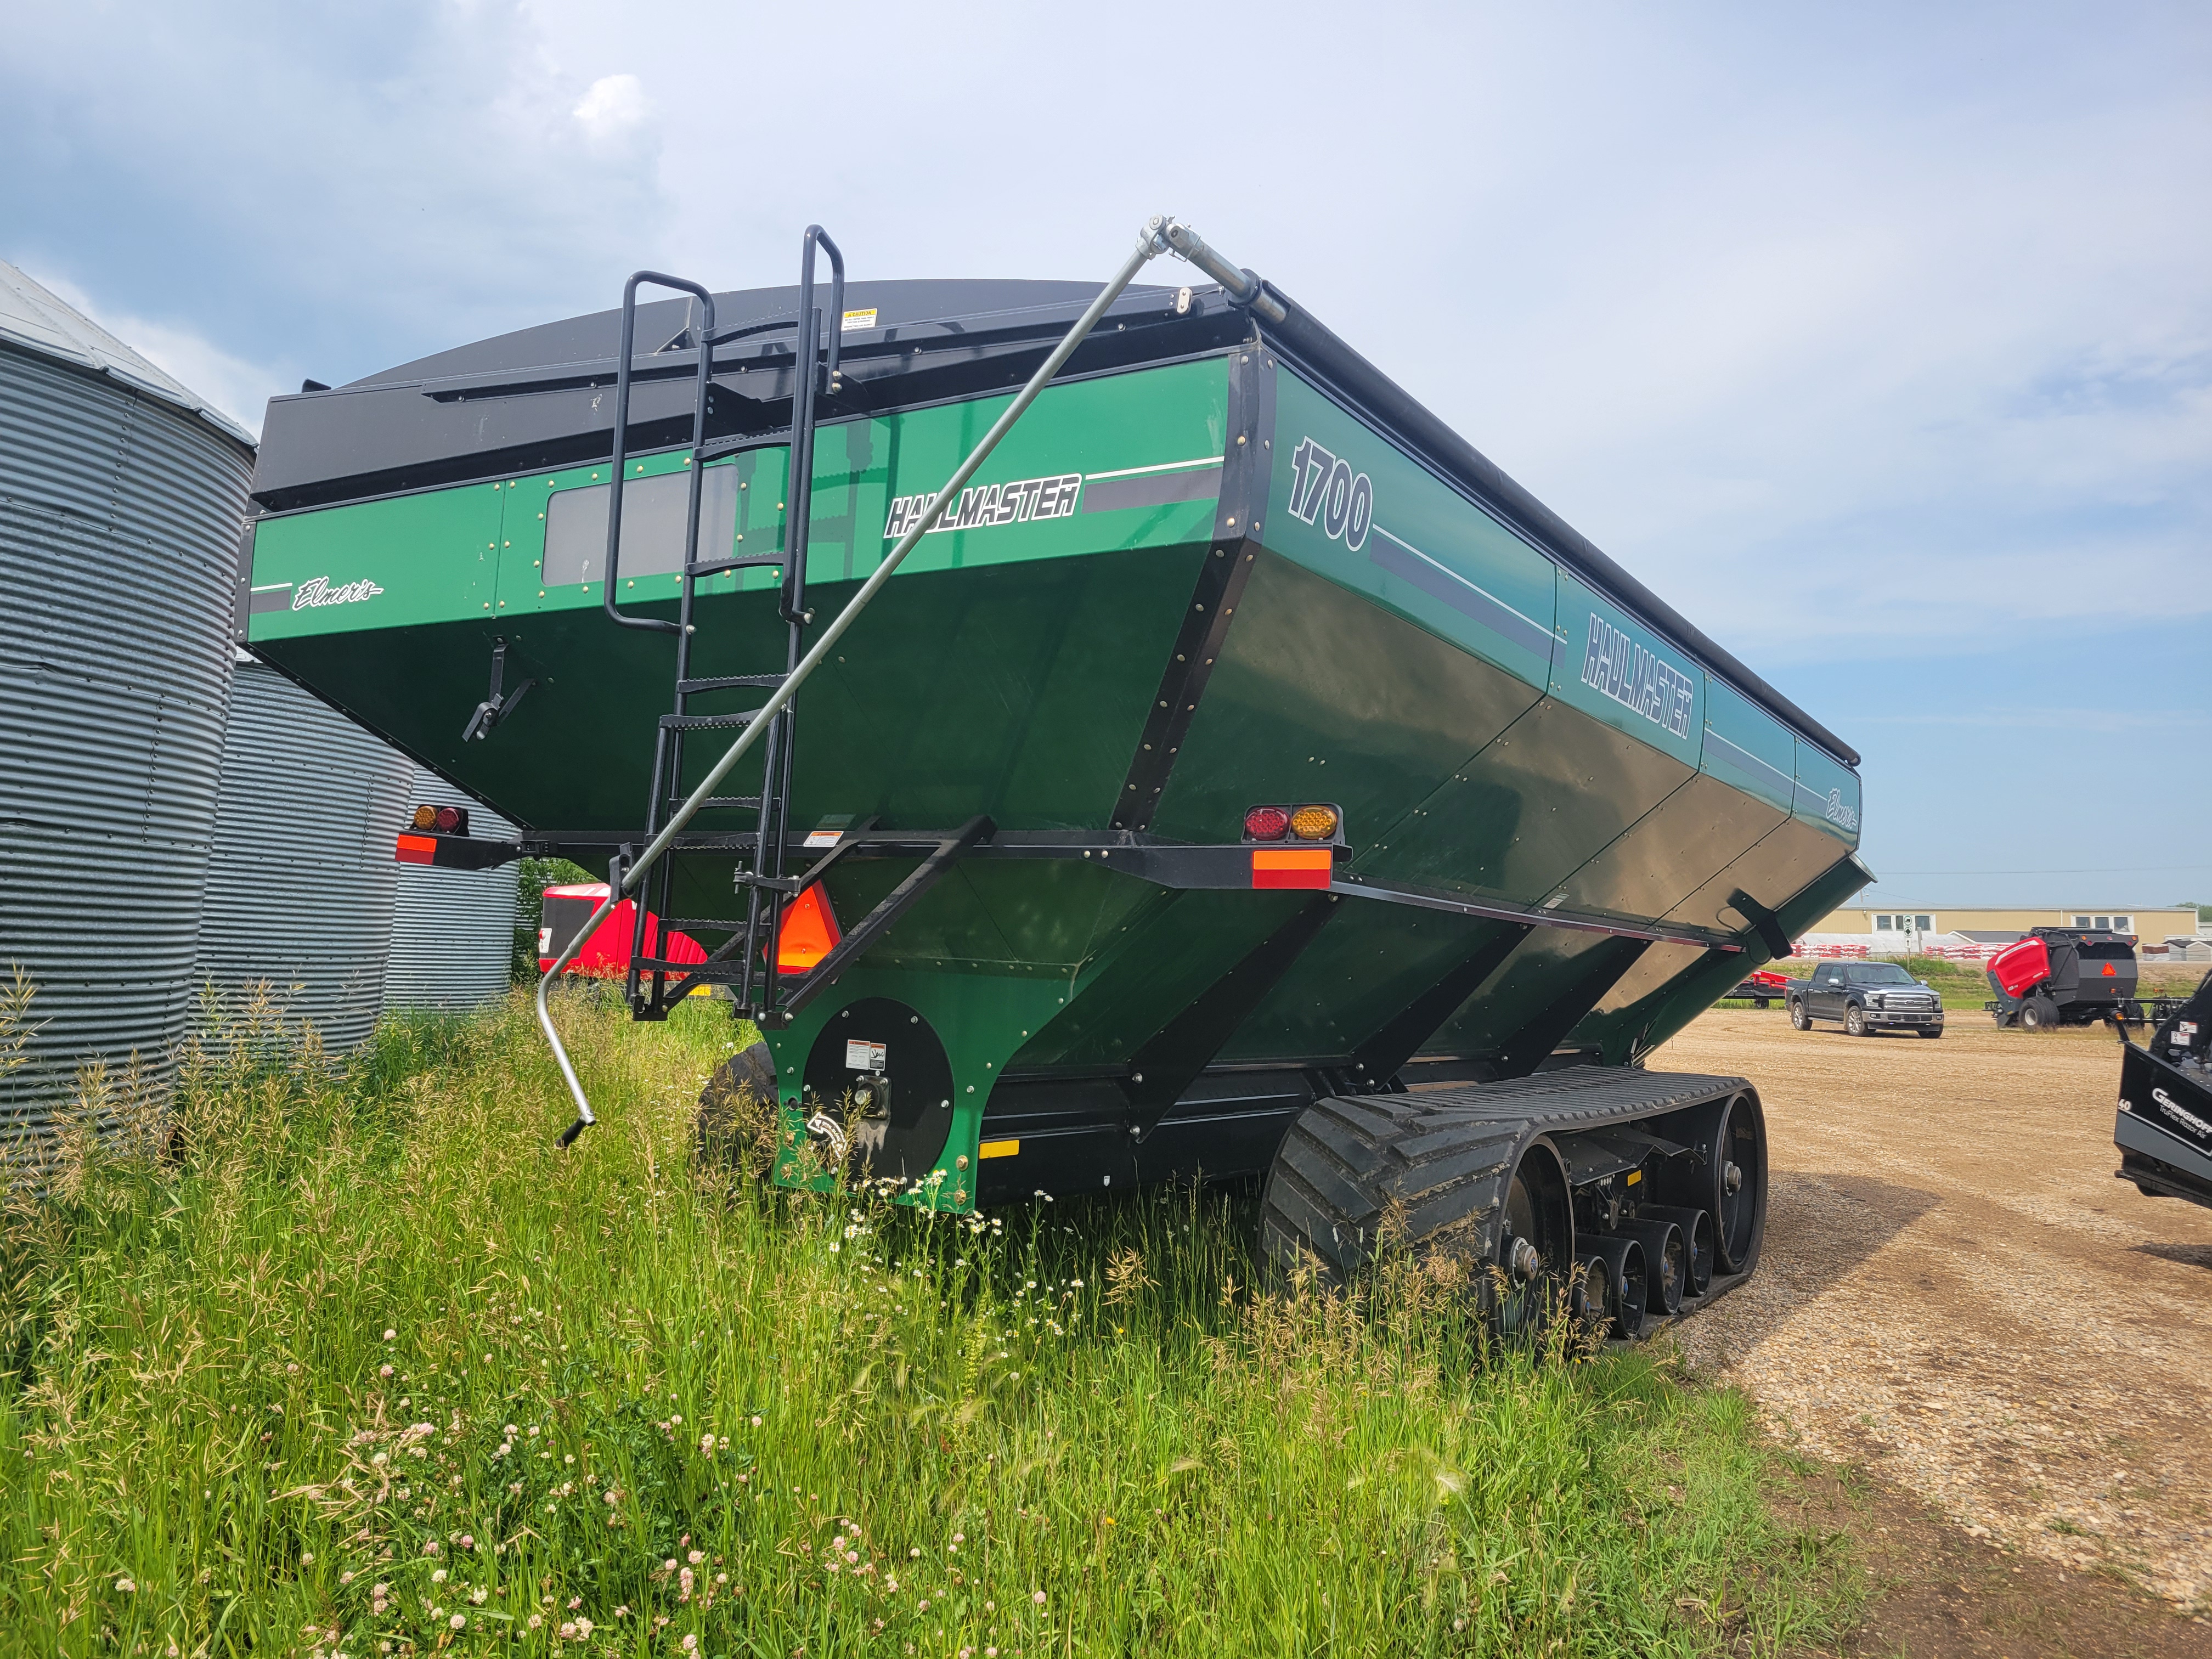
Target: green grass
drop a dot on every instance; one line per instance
(355, 1355)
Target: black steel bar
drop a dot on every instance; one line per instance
(1533, 1043)
(895, 904)
(1172, 1058)
(1379, 1058)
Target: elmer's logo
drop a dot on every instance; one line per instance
(1843, 816)
(318, 591)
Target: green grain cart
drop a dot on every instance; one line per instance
(1100, 737)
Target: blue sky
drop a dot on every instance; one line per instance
(1879, 339)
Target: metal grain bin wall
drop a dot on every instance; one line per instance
(299, 890)
(452, 931)
(121, 498)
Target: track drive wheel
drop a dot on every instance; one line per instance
(1355, 1176)
(1854, 1021)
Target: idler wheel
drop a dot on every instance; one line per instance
(1536, 1237)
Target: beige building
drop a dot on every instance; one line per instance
(2153, 927)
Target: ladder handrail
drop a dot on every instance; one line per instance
(683, 285)
(809, 380)
(1160, 235)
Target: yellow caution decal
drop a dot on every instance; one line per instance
(998, 1149)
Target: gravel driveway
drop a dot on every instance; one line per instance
(1957, 1292)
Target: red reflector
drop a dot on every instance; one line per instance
(1291, 866)
(1267, 823)
(807, 934)
(449, 818)
(416, 849)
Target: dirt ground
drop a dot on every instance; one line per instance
(1959, 1299)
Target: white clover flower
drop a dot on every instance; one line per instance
(389, 1335)
(696, 1557)
(1038, 1597)
(126, 1585)
(439, 1577)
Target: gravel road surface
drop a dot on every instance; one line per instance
(1957, 1293)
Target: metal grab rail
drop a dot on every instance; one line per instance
(1160, 235)
(622, 433)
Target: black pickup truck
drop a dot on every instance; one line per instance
(1867, 997)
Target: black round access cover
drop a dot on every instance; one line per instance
(880, 1073)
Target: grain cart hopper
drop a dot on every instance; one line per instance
(2164, 1131)
(2063, 976)
(1239, 775)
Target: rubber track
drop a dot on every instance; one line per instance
(1442, 1157)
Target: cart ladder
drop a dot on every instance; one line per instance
(745, 959)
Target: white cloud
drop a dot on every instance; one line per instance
(613, 108)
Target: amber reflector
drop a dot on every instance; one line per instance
(1314, 822)
(808, 932)
(1267, 823)
(426, 818)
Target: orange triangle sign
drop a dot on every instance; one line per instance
(808, 932)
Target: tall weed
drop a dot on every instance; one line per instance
(348, 1359)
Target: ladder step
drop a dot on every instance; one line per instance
(751, 562)
(705, 924)
(724, 682)
(750, 802)
(707, 722)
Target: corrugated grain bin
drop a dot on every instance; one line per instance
(121, 497)
(299, 892)
(452, 931)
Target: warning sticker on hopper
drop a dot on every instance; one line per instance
(864, 1056)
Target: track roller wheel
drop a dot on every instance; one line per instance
(1696, 1227)
(1666, 1258)
(1354, 1175)
(1618, 1295)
